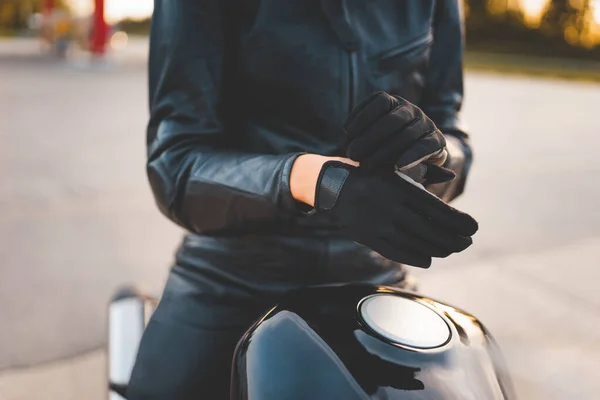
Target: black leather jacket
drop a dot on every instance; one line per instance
(240, 88)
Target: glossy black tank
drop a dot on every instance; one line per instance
(336, 342)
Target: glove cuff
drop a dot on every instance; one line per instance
(468, 161)
(329, 184)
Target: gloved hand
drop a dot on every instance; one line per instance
(386, 131)
(393, 217)
(459, 161)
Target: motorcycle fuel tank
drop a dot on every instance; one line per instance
(367, 342)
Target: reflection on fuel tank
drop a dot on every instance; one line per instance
(317, 345)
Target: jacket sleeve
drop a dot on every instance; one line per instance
(200, 178)
(443, 93)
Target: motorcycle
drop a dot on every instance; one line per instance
(349, 341)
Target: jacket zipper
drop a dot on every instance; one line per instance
(352, 81)
(406, 48)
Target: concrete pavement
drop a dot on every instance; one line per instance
(72, 226)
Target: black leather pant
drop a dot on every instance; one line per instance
(218, 288)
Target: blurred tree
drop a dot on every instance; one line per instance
(570, 20)
(135, 26)
(562, 28)
(478, 7)
(477, 13)
(558, 15)
(14, 14)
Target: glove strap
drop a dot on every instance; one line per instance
(329, 184)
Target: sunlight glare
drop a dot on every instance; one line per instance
(119, 40)
(116, 9)
(533, 11)
(533, 7)
(596, 7)
(119, 9)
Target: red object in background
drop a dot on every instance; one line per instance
(100, 30)
(48, 7)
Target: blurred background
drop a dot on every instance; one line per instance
(73, 226)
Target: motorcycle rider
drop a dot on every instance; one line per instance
(248, 151)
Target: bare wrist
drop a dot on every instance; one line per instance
(305, 173)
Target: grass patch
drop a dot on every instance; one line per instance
(571, 69)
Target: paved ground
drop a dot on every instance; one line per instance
(72, 226)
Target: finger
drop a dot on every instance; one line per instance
(429, 145)
(408, 256)
(407, 239)
(434, 208)
(410, 144)
(449, 217)
(368, 111)
(416, 173)
(439, 158)
(430, 232)
(435, 174)
(390, 130)
(394, 252)
(422, 159)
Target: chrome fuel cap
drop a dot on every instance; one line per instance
(404, 321)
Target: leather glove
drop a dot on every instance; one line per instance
(386, 131)
(393, 217)
(459, 161)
